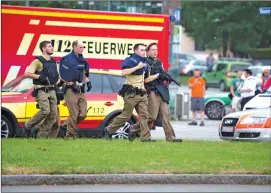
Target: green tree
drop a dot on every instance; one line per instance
(227, 25)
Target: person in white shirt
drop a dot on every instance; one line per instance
(248, 88)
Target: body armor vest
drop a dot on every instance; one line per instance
(49, 70)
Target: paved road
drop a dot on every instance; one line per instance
(140, 188)
(208, 132)
(182, 130)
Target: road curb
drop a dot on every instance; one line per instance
(16, 180)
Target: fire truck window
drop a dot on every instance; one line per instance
(107, 88)
(23, 86)
(116, 82)
(96, 82)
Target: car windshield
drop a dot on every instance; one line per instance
(19, 86)
(238, 67)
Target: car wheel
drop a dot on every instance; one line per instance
(6, 128)
(222, 86)
(214, 110)
(122, 132)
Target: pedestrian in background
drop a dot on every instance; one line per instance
(266, 82)
(248, 88)
(197, 86)
(236, 95)
(210, 62)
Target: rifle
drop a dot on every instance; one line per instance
(169, 77)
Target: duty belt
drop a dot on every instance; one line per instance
(128, 89)
(45, 89)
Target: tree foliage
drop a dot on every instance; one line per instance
(229, 25)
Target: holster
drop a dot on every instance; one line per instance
(75, 88)
(45, 89)
(128, 89)
(35, 93)
(59, 94)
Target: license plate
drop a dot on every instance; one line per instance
(227, 129)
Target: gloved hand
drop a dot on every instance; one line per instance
(162, 77)
(89, 86)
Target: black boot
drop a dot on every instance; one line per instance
(26, 131)
(107, 135)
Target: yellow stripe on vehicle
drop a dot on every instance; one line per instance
(103, 26)
(84, 16)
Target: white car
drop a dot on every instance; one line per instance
(259, 101)
(252, 125)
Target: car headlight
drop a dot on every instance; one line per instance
(253, 120)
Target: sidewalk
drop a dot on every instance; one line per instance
(16, 180)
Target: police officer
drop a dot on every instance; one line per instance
(134, 95)
(55, 128)
(43, 71)
(158, 96)
(75, 87)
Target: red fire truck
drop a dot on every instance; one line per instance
(108, 36)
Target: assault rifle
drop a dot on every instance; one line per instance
(162, 71)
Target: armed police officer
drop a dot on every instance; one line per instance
(134, 95)
(74, 71)
(43, 71)
(158, 95)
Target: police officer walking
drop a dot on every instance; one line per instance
(74, 71)
(158, 96)
(134, 95)
(43, 71)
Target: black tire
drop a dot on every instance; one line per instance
(121, 133)
(214, 110)
(6, 127)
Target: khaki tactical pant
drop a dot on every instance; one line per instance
(77, 106)
(48, 110)
(132, 101)
(55, 128)
(158, 107)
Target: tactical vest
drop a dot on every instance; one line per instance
(49, 69)
(151, 85)
(79, 64)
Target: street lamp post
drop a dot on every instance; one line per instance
(27, 3)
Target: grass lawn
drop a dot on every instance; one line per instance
(88, 156)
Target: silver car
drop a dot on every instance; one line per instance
(252, 125)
